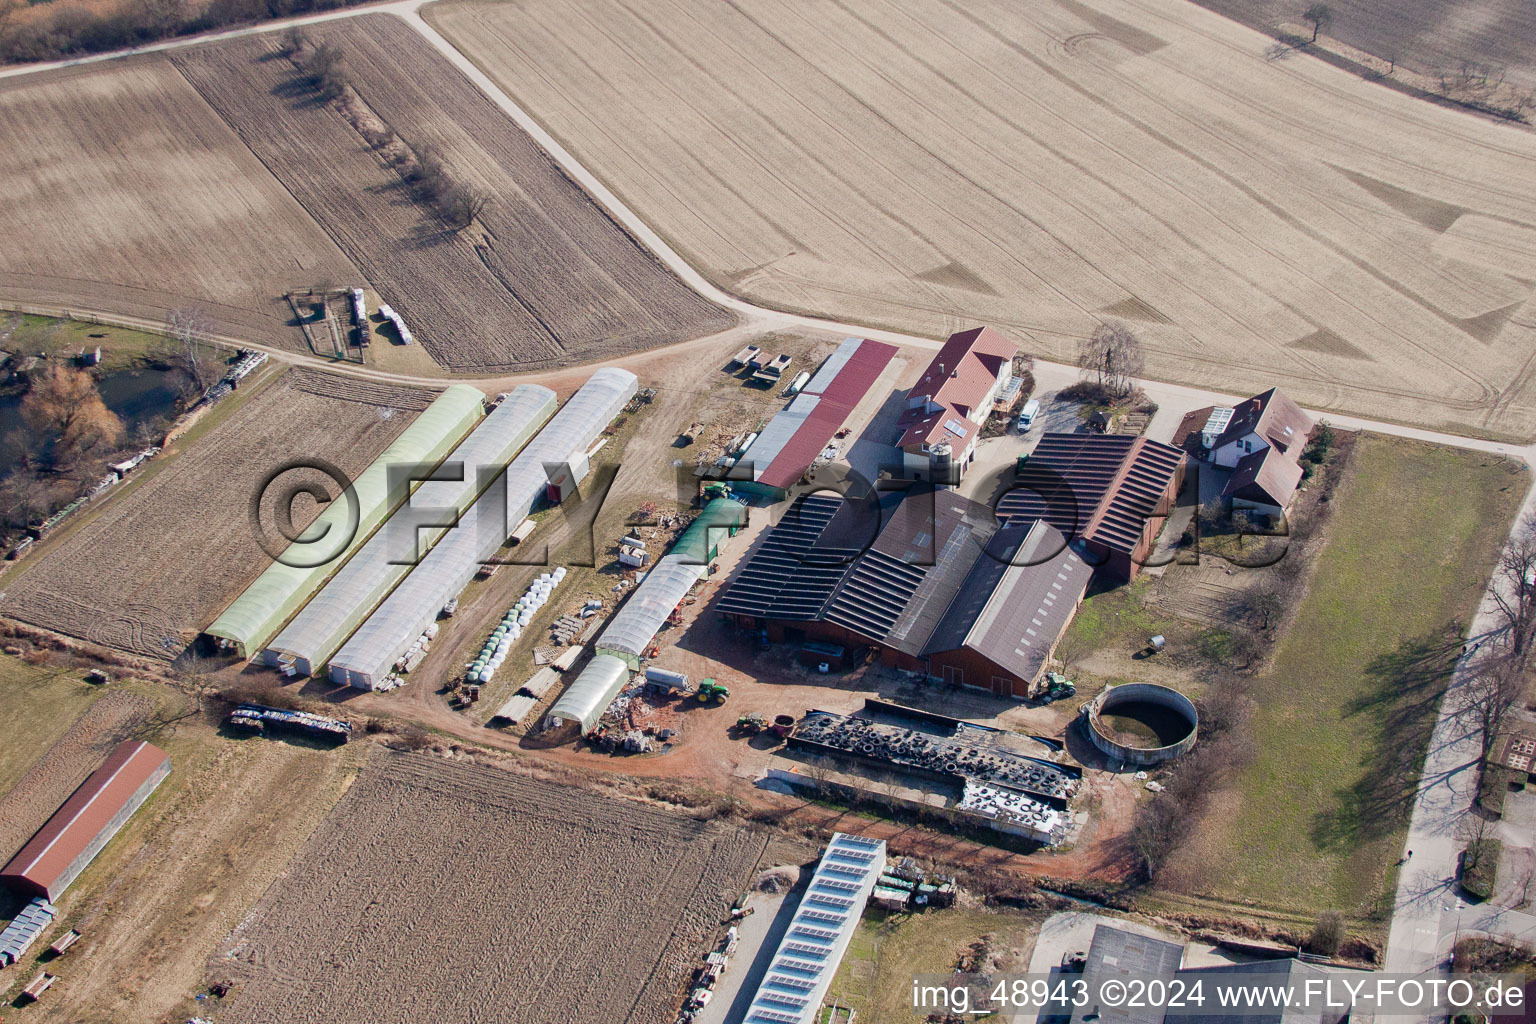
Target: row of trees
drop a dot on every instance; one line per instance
(1166, 820)
(1499, 662)
(323, 65)
(74, 29)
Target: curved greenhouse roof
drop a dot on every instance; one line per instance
(669, 581)
(326, 622)
(366, 659)
(257, 613)
(592, 692)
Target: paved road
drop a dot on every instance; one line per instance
(1428, 912)
(1420, 934)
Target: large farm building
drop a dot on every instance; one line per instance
(1109, 493)
(928, 577)
(78, 830)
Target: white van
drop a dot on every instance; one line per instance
(1027, 416)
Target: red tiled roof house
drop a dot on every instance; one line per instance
(1262, 445)
(951, 400)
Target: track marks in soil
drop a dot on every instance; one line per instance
(502, 894)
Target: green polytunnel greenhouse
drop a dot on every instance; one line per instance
(316, 633)
(367, 659)
(278, 592)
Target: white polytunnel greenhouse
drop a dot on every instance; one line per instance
(365, 660)
(664, 587)
(594, 689)
(256, 614)
(325, 623)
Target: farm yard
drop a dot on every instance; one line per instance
(159, 561)
(498, 891)
(920, 164)
(132, 197)
(160, 897)
(541, 278)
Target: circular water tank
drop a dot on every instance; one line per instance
(1141, 724)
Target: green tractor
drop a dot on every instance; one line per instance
(751, 723)
(1058, 687)
(711, 692)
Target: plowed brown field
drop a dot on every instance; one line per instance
(454, 892)
(125, 193)
(158, 563)
(544, 278)
(923, 164)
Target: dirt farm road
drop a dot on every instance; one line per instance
(1423, 919)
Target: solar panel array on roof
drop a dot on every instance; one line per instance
(1100, 487)
(785, 579)
(801, 971)
(1136, 495)
(875, 593)
(886, 570)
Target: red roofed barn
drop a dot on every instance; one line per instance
(78, 830)
(952, 399)
(799, 434)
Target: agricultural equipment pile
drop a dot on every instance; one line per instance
(259, 718)
(938, 755)
(1013, 811)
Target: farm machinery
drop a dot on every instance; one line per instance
(1057, 687)
(711, 692)
(755, 722)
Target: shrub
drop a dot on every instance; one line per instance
(1327, 934)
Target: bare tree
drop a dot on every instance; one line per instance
(1267, 599)
(8, 12)
(293, 41)
(1317, 15)
(1070, 649)
(161, 18)
(326, 67)
(1327, 934)
(1487, 697)
(24, 497)
(463, 204)
(191, 331)
(1514, 594)
(1112, 358)
(819, 771)
(1159, 828)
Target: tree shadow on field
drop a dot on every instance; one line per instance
(299, 92)
(1404, 688)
